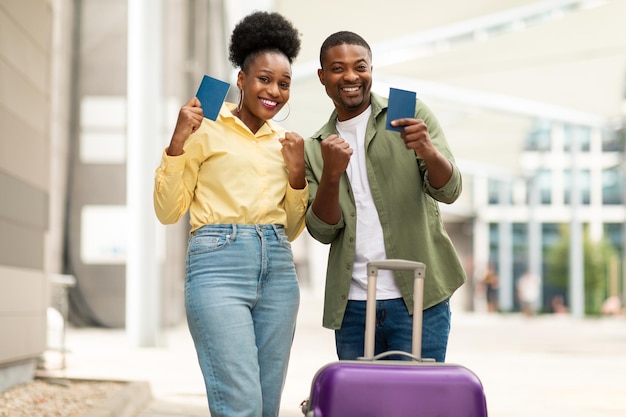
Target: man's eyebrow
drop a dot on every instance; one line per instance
(358, 61)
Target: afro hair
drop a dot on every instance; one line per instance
(263, 31)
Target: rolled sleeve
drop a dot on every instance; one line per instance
(296, 202)
(320, 230)
(451, 191)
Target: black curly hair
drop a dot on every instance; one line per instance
(260, 32)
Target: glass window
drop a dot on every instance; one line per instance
(612, 186)
(520, 243)
(579, 133)
(540, 136)
(615, 234)
(583, 182)
(551, 233)
(613, 139)
(543, 181)
(495, 190)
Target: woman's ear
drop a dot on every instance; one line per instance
(240, 79)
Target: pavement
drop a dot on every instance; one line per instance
(541, 366)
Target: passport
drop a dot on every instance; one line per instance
(212, 93)
(401, 104)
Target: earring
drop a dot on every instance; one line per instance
(240, 101)
(284, 118)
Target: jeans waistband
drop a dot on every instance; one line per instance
(234, 228)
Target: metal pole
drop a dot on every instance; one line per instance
(534, 237)
(505, 250)
(576, 253)
(143, 286)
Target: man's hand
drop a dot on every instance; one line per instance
(336, 153)
(416, 137)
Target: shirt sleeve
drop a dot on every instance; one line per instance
(172, 197)
(296, 202)
(450, 191)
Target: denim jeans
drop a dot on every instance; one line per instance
(241, 300)
(394, 330)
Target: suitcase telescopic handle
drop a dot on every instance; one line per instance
(419, 270)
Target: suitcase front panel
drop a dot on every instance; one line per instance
(396, 389)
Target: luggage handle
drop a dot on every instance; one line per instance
(419, 270)
(400, 353)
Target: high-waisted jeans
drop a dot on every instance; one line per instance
(241, 300)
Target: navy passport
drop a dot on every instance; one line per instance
(401, 105)
(211, 94)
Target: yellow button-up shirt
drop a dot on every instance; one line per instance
(229, 175)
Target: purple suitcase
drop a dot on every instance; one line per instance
(370, 387)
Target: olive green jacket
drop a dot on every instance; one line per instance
(407, 206)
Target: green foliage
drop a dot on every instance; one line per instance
(597, 257)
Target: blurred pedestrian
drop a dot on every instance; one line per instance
(490, 285)
(528, 293)
(241, 177)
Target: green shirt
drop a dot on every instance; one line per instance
(407, 207)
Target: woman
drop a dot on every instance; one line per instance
(242, 179)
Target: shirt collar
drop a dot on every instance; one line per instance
(378, 104)
(268, 128)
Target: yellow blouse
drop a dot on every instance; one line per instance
(226, 175)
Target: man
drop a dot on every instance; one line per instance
(373, 195)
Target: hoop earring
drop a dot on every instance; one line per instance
(288, 113)
(240, 101)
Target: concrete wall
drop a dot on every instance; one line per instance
(28, 157)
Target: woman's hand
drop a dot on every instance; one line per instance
(293, 153)
(189, 120)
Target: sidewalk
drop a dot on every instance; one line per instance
(545, 366)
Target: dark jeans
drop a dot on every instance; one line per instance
(394, 329)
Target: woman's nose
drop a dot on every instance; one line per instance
(273, 90)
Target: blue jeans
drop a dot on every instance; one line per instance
(241, 300)
(394, 330)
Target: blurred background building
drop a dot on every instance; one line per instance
(531, 95)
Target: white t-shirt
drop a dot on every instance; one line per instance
(369, 232)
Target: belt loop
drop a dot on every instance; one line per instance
(234, 232)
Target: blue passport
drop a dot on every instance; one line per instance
(401, 104)
(211, 94)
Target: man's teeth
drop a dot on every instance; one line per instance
(351, 89)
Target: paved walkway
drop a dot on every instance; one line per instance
(545, 366)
